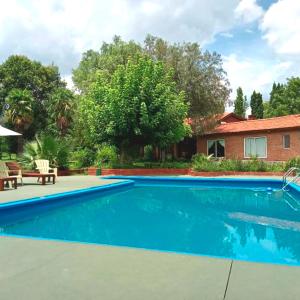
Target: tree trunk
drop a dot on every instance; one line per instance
(122, 153)
(163, 154)
(20, 144)
(156, 153)
(175, 151)
(142, 152)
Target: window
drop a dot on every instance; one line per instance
(216, 148)
(286, 140)
(256, 147)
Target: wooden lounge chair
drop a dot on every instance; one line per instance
(5, 176)
(42, 165)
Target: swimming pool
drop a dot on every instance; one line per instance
(234, 218)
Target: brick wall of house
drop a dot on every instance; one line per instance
(234, 144)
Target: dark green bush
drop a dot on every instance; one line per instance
(293, 162)
(148, 153)
(201, 162)
(82, 158)
(106, 156)
(205, 163)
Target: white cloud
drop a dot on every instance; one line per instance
(227, 35)
(281, 27)
(60, 30)
(254, 74)
(248, 11)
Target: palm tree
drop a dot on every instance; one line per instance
(20, 108)
(61, 109)
(46, 147)
(20, 111)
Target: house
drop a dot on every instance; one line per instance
(273, 139)
(188, 147)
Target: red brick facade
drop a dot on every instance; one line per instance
(144, 172)
(234, 144)
(171, 172)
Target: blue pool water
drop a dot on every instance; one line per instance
(245, 220)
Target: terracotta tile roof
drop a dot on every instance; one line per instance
(221, 117)
(285, 122)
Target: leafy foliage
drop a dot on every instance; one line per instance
(138, 105)
(293, 162)
(148, 153)
(107, 60)
(20, 112)
(106, 156)
(240, 103)
(19, 73)
(82, 158)
(257, 106)
(61, 106)
(284, 98)
(199, 74)
(46, 147)
(200, 162)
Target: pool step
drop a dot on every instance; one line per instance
(291, 202)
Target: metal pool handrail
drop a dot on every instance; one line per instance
(286, 182)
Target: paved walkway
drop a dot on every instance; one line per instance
(34, 270)
(32, 188)
(40, 269)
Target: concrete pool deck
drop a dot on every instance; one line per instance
(32, 188)
(41, 269)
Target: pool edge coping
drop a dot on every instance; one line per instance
(85, 191)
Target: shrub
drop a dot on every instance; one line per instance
(201, 162)
(46, 147)
(255, 165)
(106, 156)
(204, 163)
(293, 162)
(148, 153)
(82, 158)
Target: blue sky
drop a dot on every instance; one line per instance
(262, 49)
(258, 39)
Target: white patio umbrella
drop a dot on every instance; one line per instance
(7, 132)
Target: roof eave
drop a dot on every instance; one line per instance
(251, 131)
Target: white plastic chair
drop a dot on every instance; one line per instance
(42, 165)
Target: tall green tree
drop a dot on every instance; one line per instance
(109, 57)
(277, 89)
(20, 111)
(240, 103)
(257, 105)
(61, 106)
(138, 105)
(199, 74)
(285, 98)
(19, 72)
